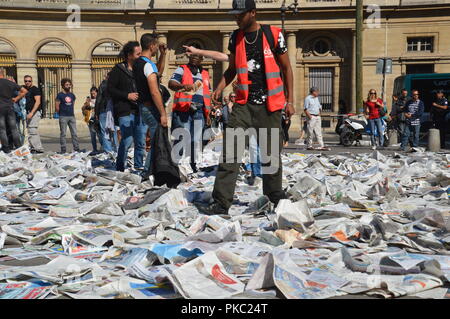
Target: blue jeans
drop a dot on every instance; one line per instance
(151, 118)
(93, 134)
(107, 144)
(255, 160)
(413, 130)
(379, 127)
(193, 123)
(70, 121)
(131, 128)
(139, 141)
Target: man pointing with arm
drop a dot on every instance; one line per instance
(258, 56)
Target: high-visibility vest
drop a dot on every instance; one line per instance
(276, 99)
(182, 101)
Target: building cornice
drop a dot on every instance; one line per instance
(172, 8)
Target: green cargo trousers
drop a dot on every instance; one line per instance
(267, 125)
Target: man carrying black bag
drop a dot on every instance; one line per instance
(151, 107)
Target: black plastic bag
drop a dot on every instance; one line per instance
(164, 170)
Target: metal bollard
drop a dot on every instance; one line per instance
(434, 142)
(393, 137)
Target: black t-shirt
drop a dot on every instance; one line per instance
(30, 98)
(7, 92)
(255, 62)
(438, 112)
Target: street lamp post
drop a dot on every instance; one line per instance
(359, 56)
(284, 9)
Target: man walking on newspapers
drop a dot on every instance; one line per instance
(258, 56)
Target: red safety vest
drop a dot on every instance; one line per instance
(183, 101)
(276, 98)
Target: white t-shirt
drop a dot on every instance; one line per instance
(149, 69)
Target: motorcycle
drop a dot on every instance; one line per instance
(355, 127)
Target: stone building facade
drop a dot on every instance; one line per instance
(42, 38)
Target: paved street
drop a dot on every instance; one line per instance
(331, 140)
(51, 144)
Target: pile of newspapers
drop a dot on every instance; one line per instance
(353, 224)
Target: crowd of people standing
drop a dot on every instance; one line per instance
(407, 111)
(129, 106)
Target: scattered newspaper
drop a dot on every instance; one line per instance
(369, 224)
(206, 278)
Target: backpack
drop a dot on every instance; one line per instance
(269, 36)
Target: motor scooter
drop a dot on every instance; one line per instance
(354, 127)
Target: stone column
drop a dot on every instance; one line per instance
(336, 89)
(26, 67)
(162, 37)
(291, 39)
(292, 52)
(82, 81)
(225, 42)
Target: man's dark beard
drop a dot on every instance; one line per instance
(249, 24)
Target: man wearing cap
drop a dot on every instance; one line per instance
(314, 121)
(258, 56)
(439, 110)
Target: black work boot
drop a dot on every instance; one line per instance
(146, 175)
(250, 179)
(213, 209)
(275, 198)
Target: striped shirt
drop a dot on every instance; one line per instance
(416, 109)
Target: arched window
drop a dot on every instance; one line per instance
(104, 57)
(321, 46)
(8, 59)
(54, 62)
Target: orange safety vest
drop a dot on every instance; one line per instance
(276, 99)
(182, 101)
